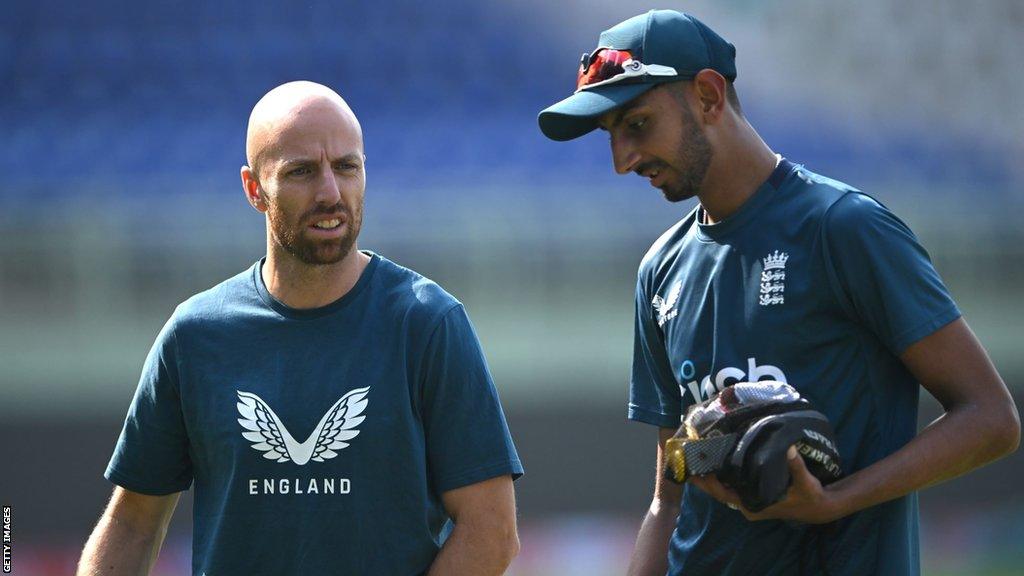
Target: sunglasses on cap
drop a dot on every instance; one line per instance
(608, 66)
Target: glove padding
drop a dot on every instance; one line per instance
(742, 434)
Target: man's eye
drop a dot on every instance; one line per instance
(299, 171)
(347, 167)
(637, 124)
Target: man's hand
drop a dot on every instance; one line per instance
(806, 500)
(980, 424)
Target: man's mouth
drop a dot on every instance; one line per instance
(651, 173)
(328, 224)
(655, 178)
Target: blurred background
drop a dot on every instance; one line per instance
(123, 128)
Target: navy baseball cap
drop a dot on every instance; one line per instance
(631, 58)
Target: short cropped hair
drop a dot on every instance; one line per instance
(730, 95)
(733, 98)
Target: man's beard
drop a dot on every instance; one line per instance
(692, 160)
(311, 251)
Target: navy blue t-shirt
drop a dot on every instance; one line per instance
(319, 441)
(811, 283)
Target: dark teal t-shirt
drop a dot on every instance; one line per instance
(319, 441)
(815, 284)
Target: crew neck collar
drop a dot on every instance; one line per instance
(760, 197)
(311, 313)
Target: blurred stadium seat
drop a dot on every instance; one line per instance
(165, 89)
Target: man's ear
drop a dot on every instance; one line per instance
(710, 87)
(251, 187)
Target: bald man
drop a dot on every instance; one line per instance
(333, 409)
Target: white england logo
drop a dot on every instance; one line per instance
(666, 309)
(268, 434)
(773, 279)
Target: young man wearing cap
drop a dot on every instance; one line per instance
(333, 408)
(778, 274)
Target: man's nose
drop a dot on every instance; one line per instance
(328, 191)
(624, 156)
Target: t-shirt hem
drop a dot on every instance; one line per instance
(638, 414)
(128, 483)
(908, 338)
(509, 467)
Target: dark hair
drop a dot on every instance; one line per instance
(732, 97)
(730, 94)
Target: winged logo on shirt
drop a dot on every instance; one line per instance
(269, 435)
(666, 309)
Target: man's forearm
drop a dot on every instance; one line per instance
(980, 424)
(961, 440)
(650, 555)
(116, 549)
(475, 551)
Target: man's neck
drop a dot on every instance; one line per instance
(302, 286)
(737, 170)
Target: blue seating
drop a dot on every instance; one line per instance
(166, 88)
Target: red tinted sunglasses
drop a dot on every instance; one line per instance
(608, 65)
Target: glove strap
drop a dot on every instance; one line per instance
(685, 457)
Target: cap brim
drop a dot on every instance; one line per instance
(577, 115)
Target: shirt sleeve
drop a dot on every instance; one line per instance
(152, 453)
(881, 274)
(467, 437)
(654, 395)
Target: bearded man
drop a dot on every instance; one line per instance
(333, 409)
